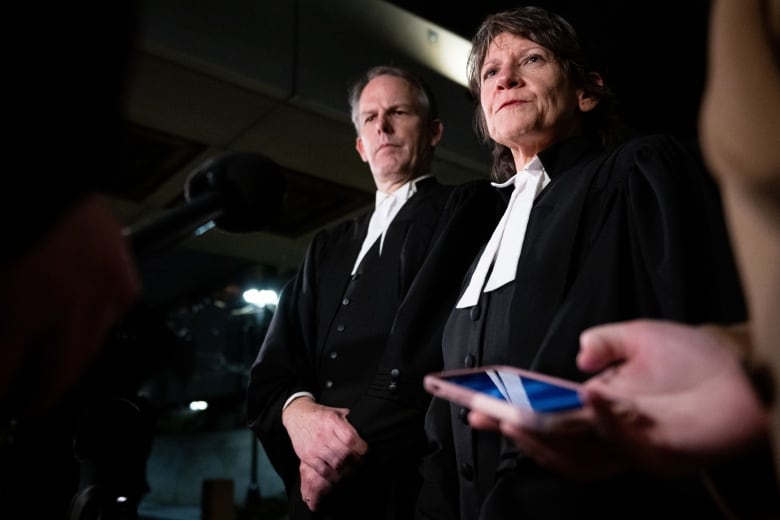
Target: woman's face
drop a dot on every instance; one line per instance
(526, 97)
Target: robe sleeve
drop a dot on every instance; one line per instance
(678, 235)
(284, 365)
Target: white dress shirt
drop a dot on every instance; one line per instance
(386, 207)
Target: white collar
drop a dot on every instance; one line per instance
(534, 165)
(403, 193)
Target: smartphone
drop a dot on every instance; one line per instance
(529, 399)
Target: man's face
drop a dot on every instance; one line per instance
(393, 138)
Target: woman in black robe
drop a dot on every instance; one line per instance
(594, 232)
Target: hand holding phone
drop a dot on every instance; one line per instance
(522, 397)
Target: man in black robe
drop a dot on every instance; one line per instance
(335, 395)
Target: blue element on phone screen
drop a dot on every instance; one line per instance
(547, 397)
(541, 395)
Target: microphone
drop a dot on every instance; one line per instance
(240, 192)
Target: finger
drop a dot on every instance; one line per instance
(333, 460)
(327, 467)
(582, 455)
(620, 422)
(309, 502)
(345, 432)
(482, 421)
(313, 487)
(607, 409)
(602, 346)
(532, 445)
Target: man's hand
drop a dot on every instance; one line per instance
(328, 446)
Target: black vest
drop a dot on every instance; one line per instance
(358, 333)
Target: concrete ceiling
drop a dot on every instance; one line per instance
(270, 77)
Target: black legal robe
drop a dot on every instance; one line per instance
(613, 236)
(365, 342)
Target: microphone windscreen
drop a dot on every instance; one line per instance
(251, 188)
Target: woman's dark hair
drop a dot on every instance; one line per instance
(554, 33)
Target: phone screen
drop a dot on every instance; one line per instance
(520, 390)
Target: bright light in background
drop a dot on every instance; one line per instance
(443, 51)
(205, 227)
(261, 298)
(198, 406)
(447, 53)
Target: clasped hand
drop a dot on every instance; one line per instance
(327, 445)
